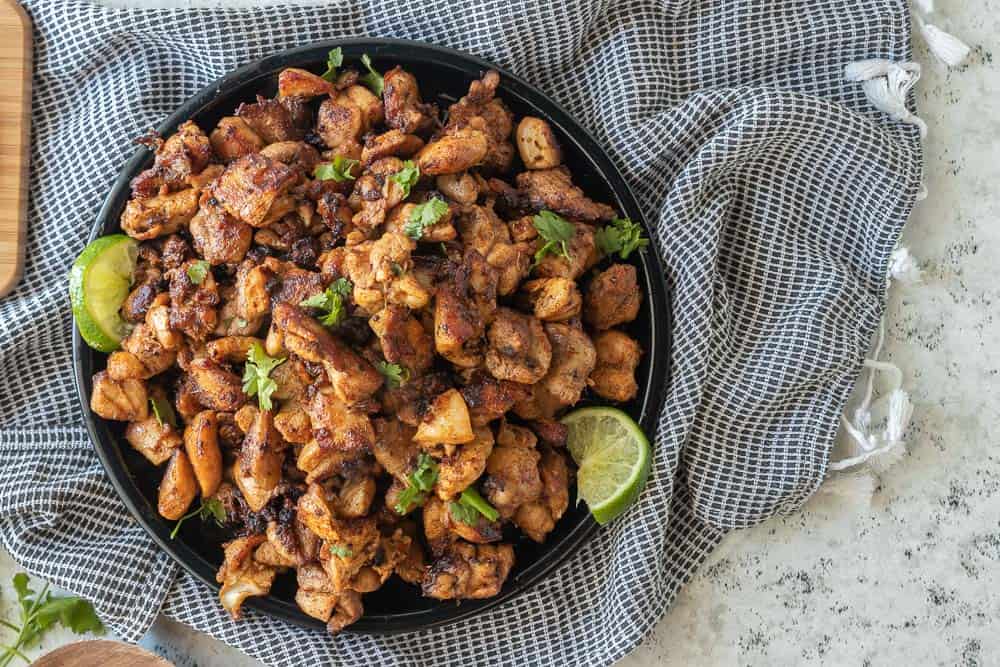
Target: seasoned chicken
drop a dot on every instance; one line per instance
(403, 109)
(519, 348)
(538, 518)
(241, 576)
(219, 237)
(160, 215)
(467, 571)
(394, 143)
(153, 439)
(481, 111)
(454, 153)
(553, 299)
(178, 487)
(582, 256)
(512, 473)
(553, 189)
(254, 189)
(537, 144)
(336, 426)
(232, 138)
(617, 358)
(184, 154)
(215, 387)
(194, 297)
(404, 340)
(446, 421)
(488, 398)
(201, 443)
(270, 120)
(458, 470)
(120, 400)
(573, 359)
(613, 297)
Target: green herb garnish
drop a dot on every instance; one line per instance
(374, 80)
(423, 216)
(395, 375)
(332, 301)
(339, 170)
(556, 231)
(39, 612)
(621, 235)
(407, 177)
(341, 550)
(163, 411)
(197, 270)
(256, 380)
(470, 505)
(419, 482)
(210, 508)
(334, 59)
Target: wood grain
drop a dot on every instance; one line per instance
(100, 653)
(15, 130)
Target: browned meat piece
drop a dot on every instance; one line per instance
(481, 229)
(153, 439)
(295, 82)
(466, 571)
(353, 378)
(193, 305)
(480, 110)
(442, 529)
(404, 110)
(178, 487)
(348, 610)
(201, 443)
(143, 344)
(141, 297)
(458, 471)
(394, 143)
(512, 263)
(355, 497)
(293, 422)
(512, 475)
(231, 349)
(553, 299)
(215, 387)
(446, 422)
(551, 433)
(454, 153)
(164, 214)
(489, 398)
(219, 237)
(537, 144)
(403, 339)
(336, 426)
(184, 153)
(573, 359)
(617, 358)
(613, 297)
(297, 154)
(254, 189)
(253, 285)
(411, 401)
(270, 120)
(232, 138)
(465, 302)
(121, 400)
(261, 456)
(340, 122)
(461, 188)
(538, 518)
(394, 447)
(519, 348)
(241, 576)
(297, 284)
(582, 253)
(553, 189)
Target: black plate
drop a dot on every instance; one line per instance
(443, 74)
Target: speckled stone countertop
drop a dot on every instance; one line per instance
(913, 578)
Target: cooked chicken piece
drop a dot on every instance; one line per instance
(120, 400)
(292, 378)
(411, 402)
(442, 529)
(297, 154)
(178, 487)
(261, 457)
(158, 319)
(153, 439)
(440, 231)
(253, 299)
(241, 576)
(315, 595)
(231, 323)
(193, 304)
(254, 189)
(321, 463)
(231, 349)
(293, 422)
(481, 229)
(186, 401)
(348, 610)
(339, 122)
(480, 110)
(582, 253)
(143, 344)
(354, 545)
(458, 470)
(461, 187)
(573, 359)
(523, 229)
(538, 518)
(488, 398)
(394, 447)
(296, 285)
(512, 262)
(143, 294)
(512, 435)
(403, 340)
(519, 348)
(617, 358)
(409, 292)
(453, 153)
(161, 215)
(512, 477)
(394, 143)
(550, 432)
(613, 297)
(404, 110)
(183, 154)
(372, 111)
(215, 387)
(219, 237)
(353, 378)
(295, 82)
(281, 550)
(125, 365)
(553, 189)
(270, 120)
(553, 299)
(537, 144)
(411, 567)
(465, 302)
(336, 426)
(355, 497)
(201, 442)
(393, 550)
(232, 138)
(446, 422)
(466, 571)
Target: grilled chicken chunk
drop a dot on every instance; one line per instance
(613, 297)
(617, 358)
(468, 571)
(553, 189)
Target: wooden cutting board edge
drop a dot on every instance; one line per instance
(15, 135)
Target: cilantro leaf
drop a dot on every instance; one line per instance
(621, 235)
(339, 170)
(210, 508)
(334, 59)
(332, 300)
(197, 270)
(256, 380)
(341, 550)
(423, 216)
(470, 505)
(419, 482)
(373, 79)
(395, 375)
(556, 231)
(407, 177)
(163, 411)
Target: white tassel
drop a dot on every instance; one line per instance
(886, 85)
(922, 193)
(903, 267)
(946, 47)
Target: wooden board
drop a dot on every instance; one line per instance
(100, 653)
(15, 129)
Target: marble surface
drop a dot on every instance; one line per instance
(914, 576)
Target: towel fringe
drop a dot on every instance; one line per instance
(886, 85)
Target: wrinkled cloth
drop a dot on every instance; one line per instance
(774, 192)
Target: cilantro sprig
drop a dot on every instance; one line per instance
(556, 231)
(39, 612)
(374, 80)
(256, 376)
(210, 508)
(423, 216)
(332, 301)
(341, 550)
(197, 270)
(470, 506)
(407, 177)
(621, 235)
(338, 170)
(419, 482)
(163, 411)
(334, 59)
(395, 375)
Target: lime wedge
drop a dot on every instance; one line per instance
(98, 284)
(613, 456)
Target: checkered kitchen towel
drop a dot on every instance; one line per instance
(775, 192)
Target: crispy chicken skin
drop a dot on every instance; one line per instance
(367, 334)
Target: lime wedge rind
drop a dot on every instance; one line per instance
(99, 281)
